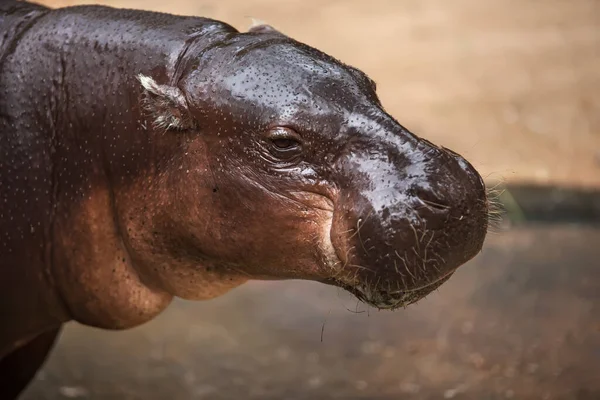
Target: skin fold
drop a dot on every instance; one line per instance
(145, 156)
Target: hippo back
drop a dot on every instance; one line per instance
(15, 18)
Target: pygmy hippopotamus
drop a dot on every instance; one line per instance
(145, 156)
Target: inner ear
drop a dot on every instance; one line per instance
(165, 104)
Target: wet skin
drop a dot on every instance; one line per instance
(145, 156)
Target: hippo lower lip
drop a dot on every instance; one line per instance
(383, 299)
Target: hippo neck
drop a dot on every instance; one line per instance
(130, 153)
(86, 136)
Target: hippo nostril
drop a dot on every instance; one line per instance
(435, 205)
(429, 201)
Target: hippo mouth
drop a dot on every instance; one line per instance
(388, 298)
(381, 295)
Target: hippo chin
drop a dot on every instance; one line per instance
(145, 156)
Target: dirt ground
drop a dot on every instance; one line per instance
(514, 85)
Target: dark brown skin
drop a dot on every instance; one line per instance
(145, 156)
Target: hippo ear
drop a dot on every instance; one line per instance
(262, 27)
(166, 105)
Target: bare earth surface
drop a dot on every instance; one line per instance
(514, 85)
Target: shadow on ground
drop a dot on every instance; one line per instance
(520, 321)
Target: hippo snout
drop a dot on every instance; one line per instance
(407, 221)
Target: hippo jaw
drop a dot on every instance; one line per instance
(381, 295)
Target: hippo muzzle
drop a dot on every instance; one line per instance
(408, 214)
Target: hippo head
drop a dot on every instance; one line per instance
(294, 170)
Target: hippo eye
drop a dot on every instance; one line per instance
(284, 142)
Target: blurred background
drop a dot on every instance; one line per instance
(512, 85)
